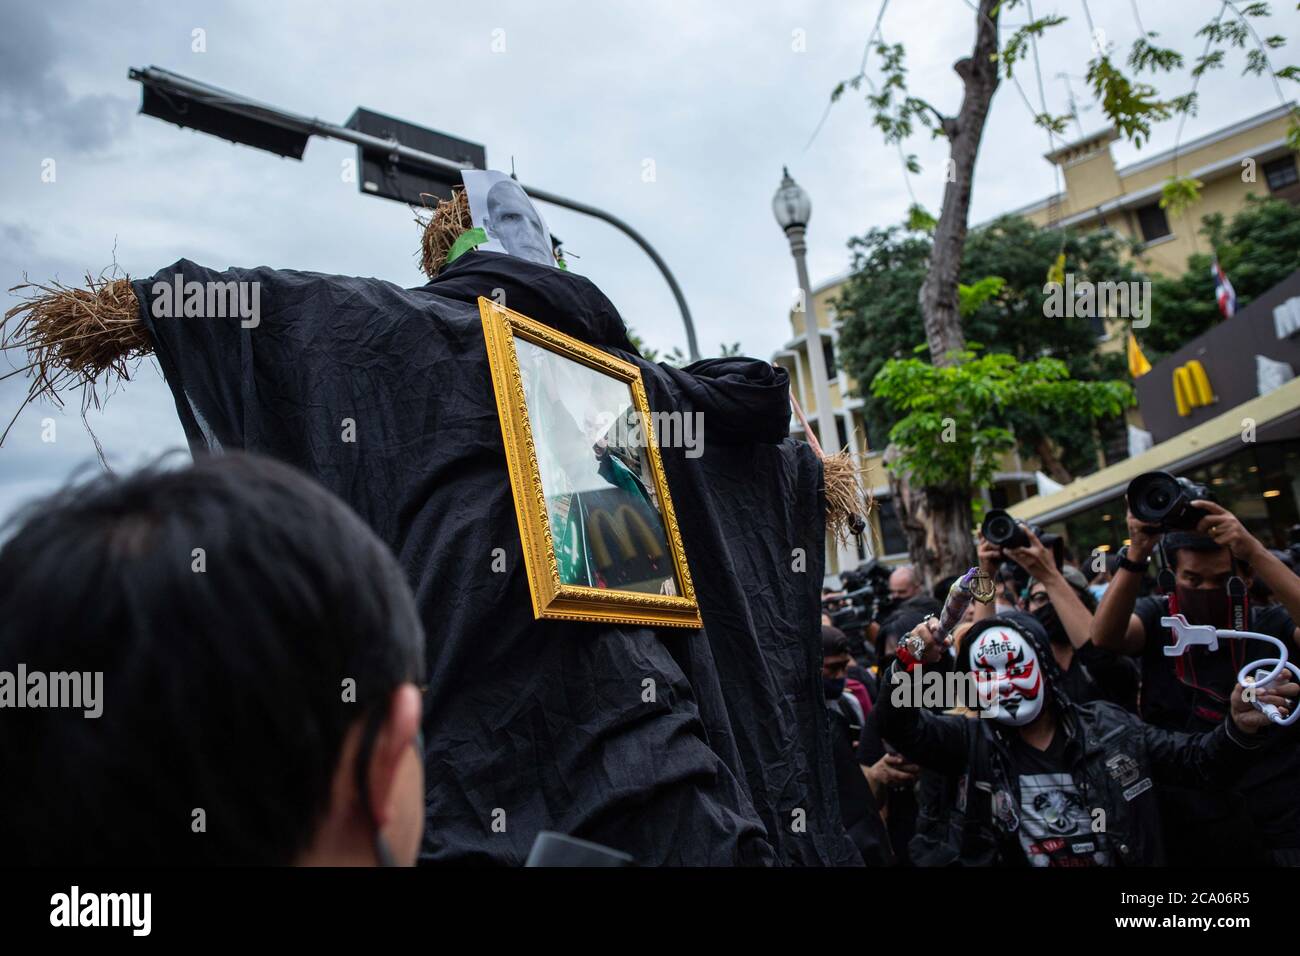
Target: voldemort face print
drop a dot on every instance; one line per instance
(1011, 680)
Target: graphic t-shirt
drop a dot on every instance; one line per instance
(1055, 825)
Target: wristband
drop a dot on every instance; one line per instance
(1134, 566)
(910, 651)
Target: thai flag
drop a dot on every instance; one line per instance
(1223, 291)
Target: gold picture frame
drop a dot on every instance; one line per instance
(600, 537)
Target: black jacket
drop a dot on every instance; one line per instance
(1116, 760)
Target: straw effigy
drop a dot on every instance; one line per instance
(90, 338)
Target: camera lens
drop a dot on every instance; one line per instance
(999, 527)
(1152, 496)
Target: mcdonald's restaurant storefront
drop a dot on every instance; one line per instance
(1224, 410)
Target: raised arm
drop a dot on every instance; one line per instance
(1039, 562)
(938, 742)
(1115, 627)
(1226, 529)
(990, 559)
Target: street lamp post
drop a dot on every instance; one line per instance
(206, 108)
(793, 208)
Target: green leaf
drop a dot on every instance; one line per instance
(971, 297)
(1179, 193)
(1132, 107)
(918, 220)
(1147, 56)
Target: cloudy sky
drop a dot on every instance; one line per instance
(585, 97)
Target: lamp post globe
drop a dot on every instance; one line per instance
(791, 204)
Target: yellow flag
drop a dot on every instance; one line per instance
(1137, 362)
(1057, 271)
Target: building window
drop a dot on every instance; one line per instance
(1152, 222)
(828, 352)
(842, 430)
(893, 540)
(877, 431)
(1280, 173)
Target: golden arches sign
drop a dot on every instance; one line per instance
(1192, 387)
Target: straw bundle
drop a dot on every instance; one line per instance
(75, 338)
(442, 227)
(848, 504)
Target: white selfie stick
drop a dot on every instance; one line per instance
(1187, 635)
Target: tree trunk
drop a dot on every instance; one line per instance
(938, 296)
(940, 540)
(1053, 467)
(937, 523)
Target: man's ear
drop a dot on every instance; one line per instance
(395, 740)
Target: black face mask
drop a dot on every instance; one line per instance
(832, 687)
(1210, 606)
(1047, 616)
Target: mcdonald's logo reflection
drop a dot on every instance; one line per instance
(610, 539)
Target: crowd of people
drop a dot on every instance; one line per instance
(1085, 744)
(226, 598)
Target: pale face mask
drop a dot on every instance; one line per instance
(1010, 678)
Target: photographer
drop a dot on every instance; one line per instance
(868, 596)
(1065, 610)
(1040, 771)
(1213, 562)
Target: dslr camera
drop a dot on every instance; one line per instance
(1001, 529)
(867, 598)
(1165, 501)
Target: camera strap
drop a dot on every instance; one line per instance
(1165, 571)
(1238, 600)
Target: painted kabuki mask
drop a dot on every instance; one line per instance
(1009, 675)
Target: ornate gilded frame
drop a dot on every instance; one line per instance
(552, 598)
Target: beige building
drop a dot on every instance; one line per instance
(1247, 157)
